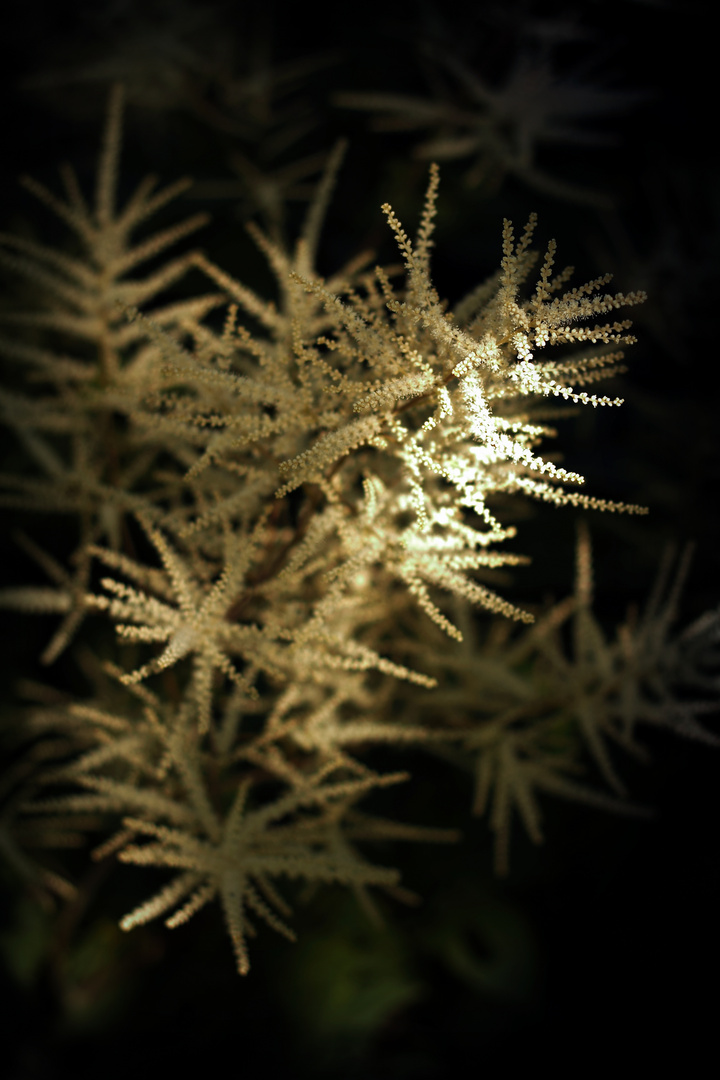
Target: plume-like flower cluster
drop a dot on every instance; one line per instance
(301, 531)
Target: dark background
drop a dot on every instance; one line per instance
(601, 948)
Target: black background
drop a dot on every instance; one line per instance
(621, 915)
